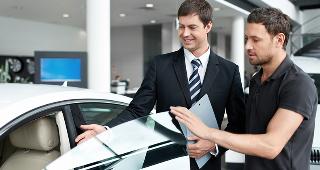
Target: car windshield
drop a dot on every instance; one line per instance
(133, 142)
(316, 78)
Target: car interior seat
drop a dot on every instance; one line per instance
(35, 143)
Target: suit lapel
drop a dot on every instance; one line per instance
(181, 73)
(211, 73)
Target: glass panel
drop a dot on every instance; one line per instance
(136, 144)
(100, 113)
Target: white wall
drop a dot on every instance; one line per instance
(23, 37)
(127, 54)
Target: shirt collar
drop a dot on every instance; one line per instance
(282, 69)
(204, 58)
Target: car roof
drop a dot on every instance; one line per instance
(17, 99)
(307, 64)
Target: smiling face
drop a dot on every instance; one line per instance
(259, 44)
(193, 33)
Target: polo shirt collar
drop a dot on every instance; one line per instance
(282, 69)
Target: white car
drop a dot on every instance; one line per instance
(39, 123)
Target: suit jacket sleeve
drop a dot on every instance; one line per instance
(143, 101)
(235, 108)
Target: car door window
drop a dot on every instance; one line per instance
(27, 141)
(100, 113)
(151, 142)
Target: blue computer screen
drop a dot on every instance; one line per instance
(60, 69)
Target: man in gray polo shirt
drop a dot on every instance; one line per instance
(282, 103)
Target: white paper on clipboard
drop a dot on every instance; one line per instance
(204, 111)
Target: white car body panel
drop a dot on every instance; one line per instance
(17, 99)
(307, 64)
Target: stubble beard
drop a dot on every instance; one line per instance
(260, 61)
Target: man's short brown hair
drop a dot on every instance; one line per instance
(273, 19)
(200, 7)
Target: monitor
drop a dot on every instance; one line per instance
(58, 67)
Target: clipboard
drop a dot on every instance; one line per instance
(204, 111)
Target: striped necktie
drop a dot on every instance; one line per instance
(194, 81)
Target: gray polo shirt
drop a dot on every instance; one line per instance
(288, 88)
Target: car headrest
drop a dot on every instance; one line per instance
(41, 134)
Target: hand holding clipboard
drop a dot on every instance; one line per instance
(203, 117)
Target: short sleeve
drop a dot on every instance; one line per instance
(299, 94)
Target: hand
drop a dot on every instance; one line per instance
(90, 131)
(194, 124)
(200, 147)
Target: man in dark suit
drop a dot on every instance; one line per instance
(174, 79)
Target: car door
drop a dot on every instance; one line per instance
(67, 115)
(150, 143)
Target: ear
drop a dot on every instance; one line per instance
(208, 27)
(279, 39)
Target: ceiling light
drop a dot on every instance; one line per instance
(65, 15)
(149, 5)
(122, 15)
(153, 21)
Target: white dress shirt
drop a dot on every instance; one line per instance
(204, 58)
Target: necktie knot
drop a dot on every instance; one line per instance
(195, 63)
